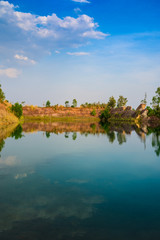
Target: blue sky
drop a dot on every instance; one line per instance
(83, 49)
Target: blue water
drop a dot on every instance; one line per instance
(79, 187)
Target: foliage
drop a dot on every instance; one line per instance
(94, 105)
(93, 113)
(105, 115)
(111, 103)
(48, 104)
(67, 103)
(74, 103)
(156, 102)
(121, 101)
(144, 101)
(151, 112)
(2, 143)
(17, 109)
(2, 96)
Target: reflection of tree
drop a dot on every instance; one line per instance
(121, 137)
(111, 136)
(74, 136)
(48, 134)
(66, 135)
(2, 143)
(110, 133)
(156, 142)
(17, 133)
(93, 126)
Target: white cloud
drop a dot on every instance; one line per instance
(55, 30)
(23, 58)
(78, 53)
(81, 1)
(77, 10)
(95, 34)
(9, 72)
(57, 52)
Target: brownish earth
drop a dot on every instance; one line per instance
(6, 117)
(31, 111)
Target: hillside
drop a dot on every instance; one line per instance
(6, 117)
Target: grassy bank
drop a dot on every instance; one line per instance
(69, 119)
(7, 117)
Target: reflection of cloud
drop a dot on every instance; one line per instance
(79, 181)
(22, 175)
(9, 161)
(45, 201)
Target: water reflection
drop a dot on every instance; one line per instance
(79, 186)
(114, 132)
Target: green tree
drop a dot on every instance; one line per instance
(48, 104)
(67, 103)
(105, 115)
(144, 101)
(156, 100)
(121, 101)
(111, 103)
(74, 103)
(2, 96)
(93, 113)
(17, 109)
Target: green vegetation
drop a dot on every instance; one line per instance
(17, 109)
(74, 103)
(121, 101)
(105, 115)
(144, 101)
(2, 96)
(94, 105)
(67, 103)
(93, 113)
(48, 104)
(156, 102)
(111, 103)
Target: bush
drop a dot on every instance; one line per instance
(17, 109)
(48, 104)
(2, 96)
(105, 115)
(93, 113)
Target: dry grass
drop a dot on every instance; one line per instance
(6, 117)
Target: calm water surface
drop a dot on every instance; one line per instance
(77, 186)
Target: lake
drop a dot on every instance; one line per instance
(80, 181)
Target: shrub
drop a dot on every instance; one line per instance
(93, 113)
(2, 96)
(17, 109)
(105, 115)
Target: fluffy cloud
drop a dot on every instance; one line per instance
(9, 72)
(49, 32)
(78, 53)
(81, 1)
